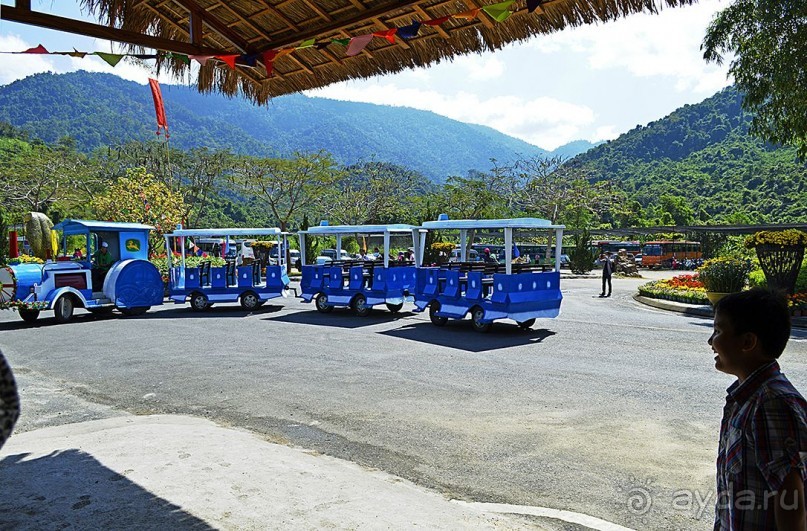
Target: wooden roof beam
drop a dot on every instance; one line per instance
(79, 27)
(215, 24)
(340, 25)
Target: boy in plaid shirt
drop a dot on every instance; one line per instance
(763, 435)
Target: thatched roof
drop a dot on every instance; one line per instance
(256, 26)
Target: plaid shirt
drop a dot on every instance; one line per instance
(763, 435)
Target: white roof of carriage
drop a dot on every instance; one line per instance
(85, 224)
(509, 223)
(234, 231)
(358, 229)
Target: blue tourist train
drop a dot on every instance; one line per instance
(364, 281)
(113, 274)
(487, 291)
(244, 275)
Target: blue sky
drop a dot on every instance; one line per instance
(592, 82)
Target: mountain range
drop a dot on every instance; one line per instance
(102, 109)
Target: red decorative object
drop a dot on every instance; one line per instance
(159, 109)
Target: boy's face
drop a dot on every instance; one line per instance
(731, 348)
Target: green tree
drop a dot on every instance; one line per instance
(768, 42)
(139, 197)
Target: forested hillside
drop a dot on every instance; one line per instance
(100, 110)
(702, 158)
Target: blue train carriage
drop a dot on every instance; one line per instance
(489, 291)
(243, 278)
(359, 283)
(122, 279)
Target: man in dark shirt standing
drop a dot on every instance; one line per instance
(607, 271)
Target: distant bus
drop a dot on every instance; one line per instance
(661, 253)
(614, 246)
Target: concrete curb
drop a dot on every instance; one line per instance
(700, 310)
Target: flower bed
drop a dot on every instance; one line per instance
(682, 288)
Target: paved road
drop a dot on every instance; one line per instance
(611, 409)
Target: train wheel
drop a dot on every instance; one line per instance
(199, 302)
(477, 314)
(63, 309)
(29, 316)
(436, 320)
(359, 306)
(249, 301)
(132, 312)
(321, 302)
(394, 308)
(526, 325)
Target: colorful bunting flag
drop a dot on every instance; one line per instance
(499, 12)
(112, 59)
(201, 59)
(306, 44)
(343, 42)
(247, 60)
(159, 108)
(437, 21)
(468, 15)
(410, 31)
(388, 34)
(357, 44)
(229, 59)
(284, 51)
(38, 49)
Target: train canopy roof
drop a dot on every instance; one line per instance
(81, 226)
(326, 230)
(234, 231)
(509, 223)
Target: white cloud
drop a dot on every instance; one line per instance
(479, 67)
(543, 121)
(23, 65)
(663, 45)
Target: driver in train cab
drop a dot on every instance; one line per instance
(101, 262)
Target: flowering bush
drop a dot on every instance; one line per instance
(787, 237)
(797, 301)
(17, 305)
(683, 288)
(724, 275)
(25, 259)
(161, 262)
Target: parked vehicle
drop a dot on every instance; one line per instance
(489, 291)
(124, 279)
(355, 283)
(665, 254)
(243, 278)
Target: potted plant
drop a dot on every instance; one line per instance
(721, 276)
(780, 255)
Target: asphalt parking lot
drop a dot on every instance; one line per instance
(580, 413)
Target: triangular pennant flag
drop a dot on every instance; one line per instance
(182, 58)
(322, 45)
(145, 56)
(388, 34)
(437, 21)
(270, 67)
(410, 31)
(74, 53)
(38, 49)
(229, 59)
(343, 42)
(306, 44)
(499, 12)
(468, 15)
(284, 51)
(111, 59)
(268, 56)
(532, 5)
(357, 44)
(201, 59)
(247, 59)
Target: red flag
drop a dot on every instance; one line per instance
(38, 49)
(388, 34)
(437, 21)
(159, 109)
(229, 59)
